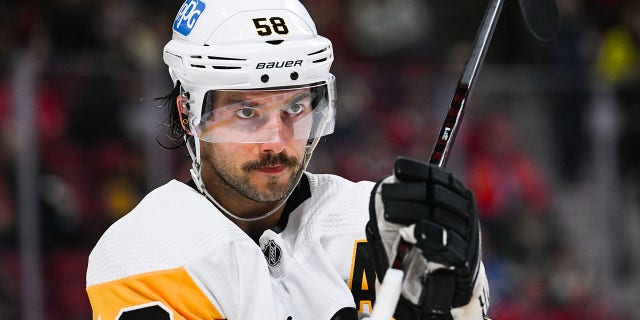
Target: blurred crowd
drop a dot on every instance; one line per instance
(550, 127)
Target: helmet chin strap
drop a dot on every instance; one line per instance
(197, 178)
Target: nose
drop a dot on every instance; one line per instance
(279, 134)
(272, 147)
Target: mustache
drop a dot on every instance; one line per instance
(271, 160)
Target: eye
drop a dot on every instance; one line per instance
(246, 112)
(295, 109)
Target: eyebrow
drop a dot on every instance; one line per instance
(301, 96)
(234, 100)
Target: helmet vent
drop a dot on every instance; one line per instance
(225, 58)
(274, 42)
(214, 62)
(320, 60)
(225, 67)
(319, 51)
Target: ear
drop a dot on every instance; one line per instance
(183, 112)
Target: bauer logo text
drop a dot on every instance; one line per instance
(279, 64)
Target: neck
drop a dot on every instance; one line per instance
(240, 208)
(255, 228)
(250, 216)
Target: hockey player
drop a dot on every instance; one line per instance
(254, 235)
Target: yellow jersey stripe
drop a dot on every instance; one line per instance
(172, 289)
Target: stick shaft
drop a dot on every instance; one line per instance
(452, 121)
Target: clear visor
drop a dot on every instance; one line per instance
(259, 116)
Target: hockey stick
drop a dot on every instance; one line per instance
(541, 16)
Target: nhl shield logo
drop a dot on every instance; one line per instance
(272, 253)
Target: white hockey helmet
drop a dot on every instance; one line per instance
(271, 52)
(220, 45)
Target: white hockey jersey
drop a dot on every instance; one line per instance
(175, 257)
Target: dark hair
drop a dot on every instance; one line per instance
(176, 131)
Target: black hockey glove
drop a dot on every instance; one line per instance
(423, 221)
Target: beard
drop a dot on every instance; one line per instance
(239, 179)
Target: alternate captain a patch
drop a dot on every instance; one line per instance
(363, 277)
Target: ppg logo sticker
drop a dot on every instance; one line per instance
(188, 16)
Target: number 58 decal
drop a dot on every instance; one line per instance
(266, 27)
